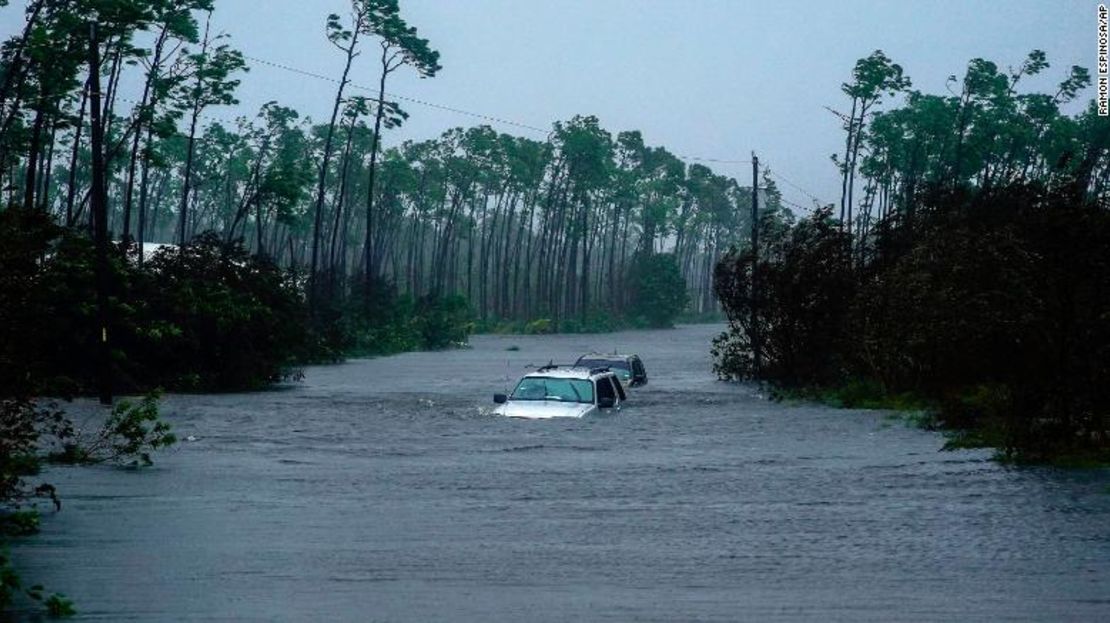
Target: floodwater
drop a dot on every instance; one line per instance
(382, 490)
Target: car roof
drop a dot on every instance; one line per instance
(569, 372)
(606, 357)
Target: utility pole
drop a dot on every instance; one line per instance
(99, 204)
(757, 357)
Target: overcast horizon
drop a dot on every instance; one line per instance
(710, 79)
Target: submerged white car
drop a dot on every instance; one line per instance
(554, 391)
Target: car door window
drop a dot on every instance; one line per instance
(638, 369)
(605, 390)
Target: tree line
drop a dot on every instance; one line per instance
(90, 170)
(286, 240)
(555, 228)
(964, 270)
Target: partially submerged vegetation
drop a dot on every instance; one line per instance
(968, 280)
(973, 283)
(80, 314)
(288, 241)
(34, 432)
(204, 317)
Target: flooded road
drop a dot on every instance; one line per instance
(381, 490)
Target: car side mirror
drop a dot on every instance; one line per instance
(606, 402)
(500, 398)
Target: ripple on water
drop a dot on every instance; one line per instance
(384, 488)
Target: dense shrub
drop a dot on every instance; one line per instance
(443, 321)
(211, 316)
(207, 316)
(805, 289)
(994, 305)
(29, 328)
(657, 288)
(204, 316)
(383, 322)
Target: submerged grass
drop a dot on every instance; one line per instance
(594, 322)
(1068, 460)
(919, 412)
(856, 395)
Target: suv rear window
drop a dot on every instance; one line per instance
(638, 367)
(618, 366)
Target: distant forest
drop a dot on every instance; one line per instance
(522, 228)
(965, 264)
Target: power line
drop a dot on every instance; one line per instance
(794, 205)
(402, 98)
(201, 115)
(713, 160)
(485, 117)
(201, 139)
(452, 109)
(796, 187)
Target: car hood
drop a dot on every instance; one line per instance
(543, 409)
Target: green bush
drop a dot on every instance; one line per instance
(59, 606)
(658, 290)
(131, 432)
(539, 326)
(991, 305)
(214, 317)
(382, 323)
(18, 523)
(28, 430)
(56, 605)
(443, 321)
(805, 289)
(595, 321)
(206, 316)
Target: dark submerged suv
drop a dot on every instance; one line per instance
(629, 368)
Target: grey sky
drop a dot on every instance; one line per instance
(709, 78)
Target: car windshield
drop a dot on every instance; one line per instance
(547, 388)
(619, 366)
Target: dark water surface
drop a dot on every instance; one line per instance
(380, 490)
